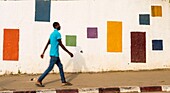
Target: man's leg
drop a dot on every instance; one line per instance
(50, 67)
(60, 66)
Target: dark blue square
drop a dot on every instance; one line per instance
(42, 10)
(144, 19)
(157, 44)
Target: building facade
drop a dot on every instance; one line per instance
(104, 35)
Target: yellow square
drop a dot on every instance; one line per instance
(114, 36)
(156, 11)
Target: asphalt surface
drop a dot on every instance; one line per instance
(87, 80)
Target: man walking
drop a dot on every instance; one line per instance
(54, 41)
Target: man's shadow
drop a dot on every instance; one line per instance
(79, 64)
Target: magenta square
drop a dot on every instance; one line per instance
(92, 32)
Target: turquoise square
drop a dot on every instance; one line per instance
(144, 19)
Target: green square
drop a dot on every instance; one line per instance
(71, 40)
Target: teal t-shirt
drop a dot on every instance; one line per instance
(54, 49)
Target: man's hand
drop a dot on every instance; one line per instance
(71, 54)
(42, 56)
(64, 48)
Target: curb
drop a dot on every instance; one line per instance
(126, 89)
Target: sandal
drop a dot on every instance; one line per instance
(39, 84)
(66, 84)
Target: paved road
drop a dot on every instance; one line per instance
(89, 80)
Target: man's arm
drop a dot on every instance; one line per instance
(42, 55)
(64, 48)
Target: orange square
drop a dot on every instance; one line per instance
(11, 44)
(156, 11)
(114, 36)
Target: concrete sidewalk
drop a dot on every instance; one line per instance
(107, 82)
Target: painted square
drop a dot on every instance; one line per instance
(156, 11)
(71, 40)
(157, 44)
(11, 44)
(144, 19)
(114, 36)
(92, 32)
(42, 10)
(138, 47)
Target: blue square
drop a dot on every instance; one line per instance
(42, 10)
(144, 19)
(157, 44)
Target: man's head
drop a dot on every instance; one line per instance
(56, 25)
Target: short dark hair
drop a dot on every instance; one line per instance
(55, 24)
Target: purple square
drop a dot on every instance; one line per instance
(92, 32)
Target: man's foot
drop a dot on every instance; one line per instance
(66, 84)
(39, 84)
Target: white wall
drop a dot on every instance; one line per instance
(75, 17)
